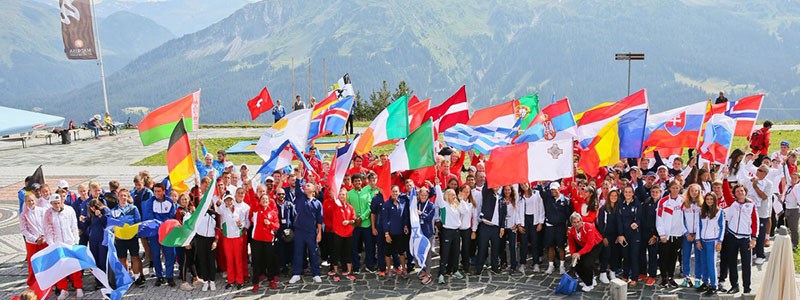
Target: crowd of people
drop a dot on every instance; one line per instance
(637, 220)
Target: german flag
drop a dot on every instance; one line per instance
(179, 158)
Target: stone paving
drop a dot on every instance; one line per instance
(109, 158)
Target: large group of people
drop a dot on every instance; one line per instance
(637, 220)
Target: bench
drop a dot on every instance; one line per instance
(22, 137)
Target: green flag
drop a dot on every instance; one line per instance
(531, 104)
(416, 151)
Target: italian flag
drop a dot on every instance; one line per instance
(415, 152)
(182, 235)
(390, 124)
(158, 124)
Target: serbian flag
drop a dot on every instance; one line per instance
(537, 161)
(554, 122)
(501, 115)
(416, 112)
(260, 104)
(631, 114)
(452, 111)
(179, 158)
(718, 139)
(679, 127)
(744, 112)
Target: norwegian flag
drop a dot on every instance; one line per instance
(332, 119)
(744, 112)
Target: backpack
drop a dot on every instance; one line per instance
(757, 140)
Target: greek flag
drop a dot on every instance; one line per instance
(418, 243)
(480, 138)
(57, 261)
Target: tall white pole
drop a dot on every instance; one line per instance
(100, 57)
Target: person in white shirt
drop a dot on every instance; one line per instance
(711, 230)
(449, 240)
(204, 244)
(514, 224)
(61, 226)
(669, 223)
(469, 216)
(792, 202)
(782, 153)
(759, 189)
(233, 221)
(533, 220)
(32, 228)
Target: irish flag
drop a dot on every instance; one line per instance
(390, 124)
(182, 235)
(416, 151)
(158, 124)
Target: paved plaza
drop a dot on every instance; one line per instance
(110, 158)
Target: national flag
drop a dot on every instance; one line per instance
(744, 111)
(413, 100)
(281, 131)
(631, 110)
(384, 184)
(167, 185)
(554, 122)
(340, 164)
(182, 235)
(332, 119)
(180, 165)
(323, 105)
(158, 124)
(416, 113)
(57, 261)
(281, 157)
(579, 116)
(416, 151)
(718, 139)
(36, 177)
(121, 277)
(603, 150)
(260, 104)
(679, 127)
(537, 161)
(452, 111)
(528, 109)
(418, 244)
(479, 138)
(501, 115)
(391, 124)
(343, 87)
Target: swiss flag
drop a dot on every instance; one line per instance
(260, 104)
(452, 111)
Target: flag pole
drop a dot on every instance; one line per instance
(309, 82)
(324, 81)
(292, 96)
(100, 57)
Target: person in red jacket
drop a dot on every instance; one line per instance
(583, 239)
(264, 254)
(342, 219)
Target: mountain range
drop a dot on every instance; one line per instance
(499, 49)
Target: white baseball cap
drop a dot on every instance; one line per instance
(55, 198)
(555, 186)
(63, 184)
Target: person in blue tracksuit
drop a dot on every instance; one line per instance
(491, 227)
(395, 219)
(648, 250)
(557, 209)
(96, 223)
(629, 234)
(710, 232)
(128, 214)
(307, 231)
(160, 207)
(426, 211)
(606, 225)
(95, 192)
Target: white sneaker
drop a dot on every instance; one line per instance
(611, 275)
(185, 286)
(759, 261)
(521, 269)
(63, 295)
(604, 278)
(205, 286)
(78, 293)
(294, 279)
(562, 270)
(587, 288)
(594, 281)
(213, 286)
(549, 270)
(316, 279)
(536, 268)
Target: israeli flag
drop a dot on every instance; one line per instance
(418, 244)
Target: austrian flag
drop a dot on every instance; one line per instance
(535, 161)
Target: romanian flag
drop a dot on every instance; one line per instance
(179, 158)
(159, 124)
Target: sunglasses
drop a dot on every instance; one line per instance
(281, 194)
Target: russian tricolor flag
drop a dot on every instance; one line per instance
(553, 122)
(718, 139)
(679, 127)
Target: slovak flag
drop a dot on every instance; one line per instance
(332, 119)
(260, 104)
(679, 127)
(744, 112)
(718, 139)
(554, 122)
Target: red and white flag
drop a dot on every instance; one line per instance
(260, 104)
(452, 111)
(534, 161)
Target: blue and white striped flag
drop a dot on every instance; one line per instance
(57, 261)
(282, 157)
(480, 138)
(418, 244)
